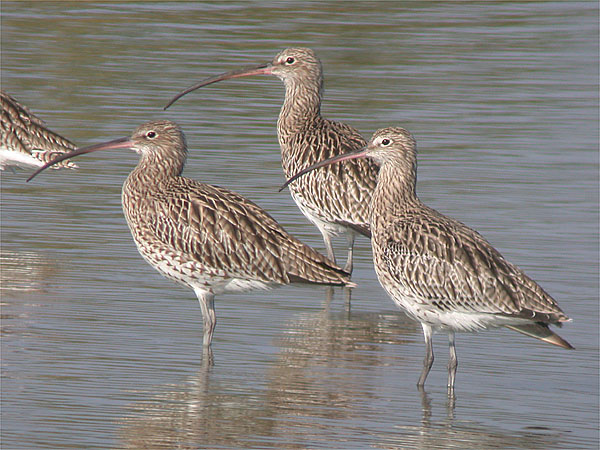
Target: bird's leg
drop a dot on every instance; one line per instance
(428, 361)
(328, 246)
(450, 404)
(209, 317)
(452, 362)
(350, 238)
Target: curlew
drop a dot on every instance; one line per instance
(25, 141)
(335, 199)
(205, 237)
(439, 271)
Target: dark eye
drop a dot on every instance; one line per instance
(385, 142)
(151, 134)
(290, 60)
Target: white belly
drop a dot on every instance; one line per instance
(12, 158)
(317, 218)
(423, 311)
(192, 274)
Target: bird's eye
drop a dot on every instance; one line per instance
(290, 60)
(385, 142)
(151, 134)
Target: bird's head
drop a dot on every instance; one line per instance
(292, 65)
(158, 141)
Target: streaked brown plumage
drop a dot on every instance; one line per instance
(336, 198)
(25, 141)
(439, 271)
(206, 237)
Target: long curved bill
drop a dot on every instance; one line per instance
(362, 153)
(263, 69)
(117, 143)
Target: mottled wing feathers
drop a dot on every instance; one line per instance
(221, 229)
(453, 268)
(22, 131)
(339, 193)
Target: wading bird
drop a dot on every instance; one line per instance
(335, 199)
(205, 237)
(436, 269)
(25, 141)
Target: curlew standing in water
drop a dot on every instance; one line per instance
(335, 199)
(25, 141)
(205, 237)
(439, 271)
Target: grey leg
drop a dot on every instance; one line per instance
(452, 361)
(428, 361)
(350, 236)
(209, 317)
(328, 246)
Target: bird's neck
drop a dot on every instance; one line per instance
(153, 170)
(164, 165)
(301, 107)
(395, 194)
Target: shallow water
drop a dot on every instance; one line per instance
(99, 351)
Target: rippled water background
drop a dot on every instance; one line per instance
(99, 351)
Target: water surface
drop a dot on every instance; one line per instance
(99, 351)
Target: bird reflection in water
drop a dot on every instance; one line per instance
(319, 392)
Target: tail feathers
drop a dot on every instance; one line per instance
(540, 330)
(323, 273)
(309, 266)
(303, 264)
(340, 282)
